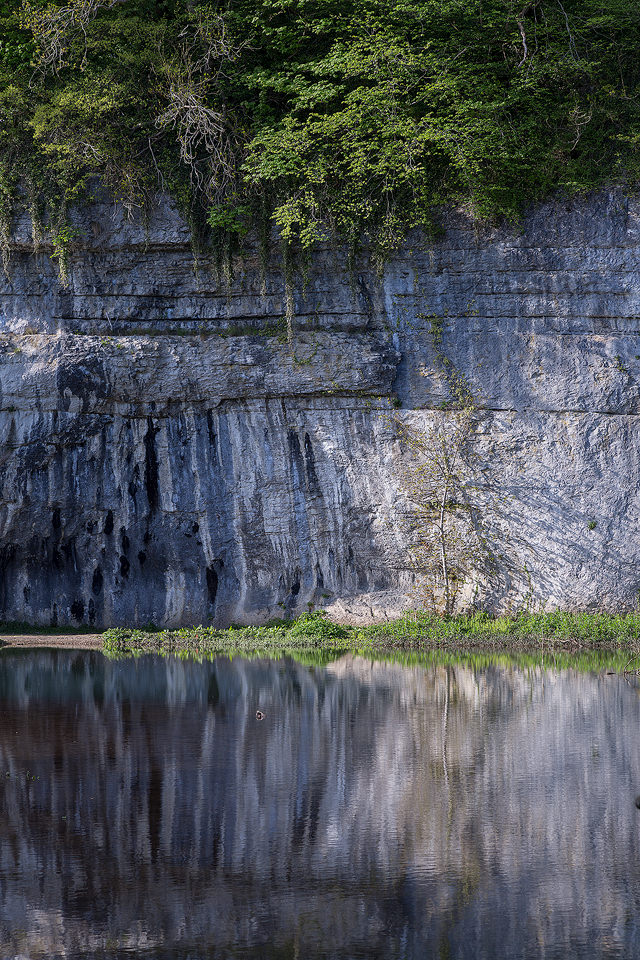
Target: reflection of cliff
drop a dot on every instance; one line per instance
(377, 809)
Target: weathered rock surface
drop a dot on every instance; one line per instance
(168, 456)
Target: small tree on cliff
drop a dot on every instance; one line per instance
(447, 544)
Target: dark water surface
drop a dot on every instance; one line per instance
(376, 811)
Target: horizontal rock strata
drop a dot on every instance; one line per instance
(170, 454)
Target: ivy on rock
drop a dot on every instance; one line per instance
(355, 119)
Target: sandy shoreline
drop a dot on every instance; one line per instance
(66, 641)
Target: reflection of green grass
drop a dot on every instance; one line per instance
(585, 641)
(587, 661)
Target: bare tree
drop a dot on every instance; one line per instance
(439, 484)
(209, 144)
(55, 27)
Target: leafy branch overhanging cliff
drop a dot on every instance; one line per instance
(354, 118)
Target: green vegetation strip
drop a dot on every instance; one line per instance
(586, 640)
(348, 118)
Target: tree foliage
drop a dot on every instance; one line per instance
(357, 118)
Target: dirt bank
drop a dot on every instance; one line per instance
(73, 641)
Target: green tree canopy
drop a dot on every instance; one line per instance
(357, 118)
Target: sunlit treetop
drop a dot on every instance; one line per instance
(356, 118)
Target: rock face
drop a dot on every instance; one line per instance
(168, 455)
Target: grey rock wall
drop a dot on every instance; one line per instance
(166, 455)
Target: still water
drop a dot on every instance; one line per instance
(377, 810)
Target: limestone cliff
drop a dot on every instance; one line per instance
(168, 456)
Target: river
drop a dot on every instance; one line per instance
(370, 810)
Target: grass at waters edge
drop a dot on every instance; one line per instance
(588, 641)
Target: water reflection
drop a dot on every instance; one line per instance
(376, 810)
